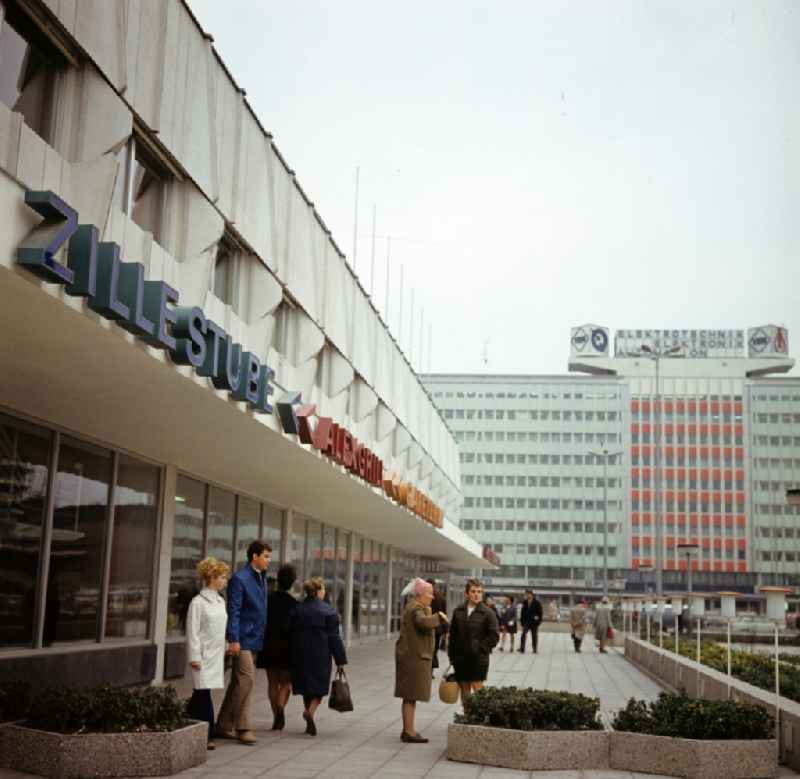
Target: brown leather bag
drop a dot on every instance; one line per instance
(340, 699)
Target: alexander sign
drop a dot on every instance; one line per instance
(344, 448)
(148, 309)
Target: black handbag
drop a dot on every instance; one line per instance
(339, 699)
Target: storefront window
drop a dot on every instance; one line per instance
(187, 550)
(77, 551)
(297, 550)
(247, 527)
(366, 590)
(221, 514)
(132, 549)
(24, 469)
(380, 590)
(328, 562)
(313, 549)
(272, 533)
(340, 571)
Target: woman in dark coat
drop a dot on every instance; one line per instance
(313, 639)
(276, 655)
(473, 634)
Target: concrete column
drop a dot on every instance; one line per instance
(286, 537)
(348, 589)
(164, 567)
(389, 594)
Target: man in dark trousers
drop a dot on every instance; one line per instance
(530, 619)
(247, 621)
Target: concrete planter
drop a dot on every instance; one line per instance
(93, 755)
(534, 750)
(693, 759)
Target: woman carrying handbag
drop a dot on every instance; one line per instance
(414, 656)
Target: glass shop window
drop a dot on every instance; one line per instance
(24, 473)
(77, 551)
(187, 551)
(132, 549)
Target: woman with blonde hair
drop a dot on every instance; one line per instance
(314, 639)
(414, 656)
(205, 636)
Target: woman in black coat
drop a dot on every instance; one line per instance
(314, 638)
(276, 654)
(473, 634)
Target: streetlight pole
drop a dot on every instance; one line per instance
(605, 454)
(688, 550)
(653, 354)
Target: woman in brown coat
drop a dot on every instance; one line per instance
(414, 657)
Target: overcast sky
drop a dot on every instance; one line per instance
(540, 165)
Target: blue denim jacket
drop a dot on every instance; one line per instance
(247, 608)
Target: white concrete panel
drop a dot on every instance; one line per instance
(413, 455)
(386, 422)
(194, 276)
(100, 29)
(301, 269)
(202, 226)
(265, 291)
(304, 339)
(362, 339)
(402, 440)
(10, 130)
(174, 75)
(426, 467)
(150, 55)
(104, 121)
(364, 400)
(53, 171)
(337, 373)
(30, 163)
(228, 134)
(253, 195)
(18, 221)
(334, 317)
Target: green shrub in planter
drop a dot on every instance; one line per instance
(107, 709)
(15, 698)
(529, 709)
(680, 716)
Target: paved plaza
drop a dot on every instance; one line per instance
(366, 742)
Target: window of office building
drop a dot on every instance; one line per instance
(220, 524)
(30, 70)
(132, 548)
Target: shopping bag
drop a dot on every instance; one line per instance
(340, 699)
(448, 687)
(610, 633)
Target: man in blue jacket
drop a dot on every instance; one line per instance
(247, 620)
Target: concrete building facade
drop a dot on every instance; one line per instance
(189, 361)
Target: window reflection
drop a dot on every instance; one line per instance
(132, 549)
(24, 468)
(187, 550)
(247, 528)
(221, 514)
(76, 557)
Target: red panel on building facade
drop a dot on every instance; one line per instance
(741, 567)
(729, 567)
(741, 543)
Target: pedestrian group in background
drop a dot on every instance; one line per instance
(298, 642)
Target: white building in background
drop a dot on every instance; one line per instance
(724, 430)
(164, 282)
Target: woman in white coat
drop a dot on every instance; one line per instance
(205, 636)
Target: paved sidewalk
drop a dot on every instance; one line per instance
(366, 742)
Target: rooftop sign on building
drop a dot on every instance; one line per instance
(767, 341)
(698, 344)
(589, 341)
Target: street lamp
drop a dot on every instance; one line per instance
(656, 355)
(689, 550)
(605, 454)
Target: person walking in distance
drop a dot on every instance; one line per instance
(530, 619)
(577, 621)
(275, 655)
(508, 624)
(314, 638)
(247, 620)
(602, 623)
(413, 654)
(474, 632)
(205, 636)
